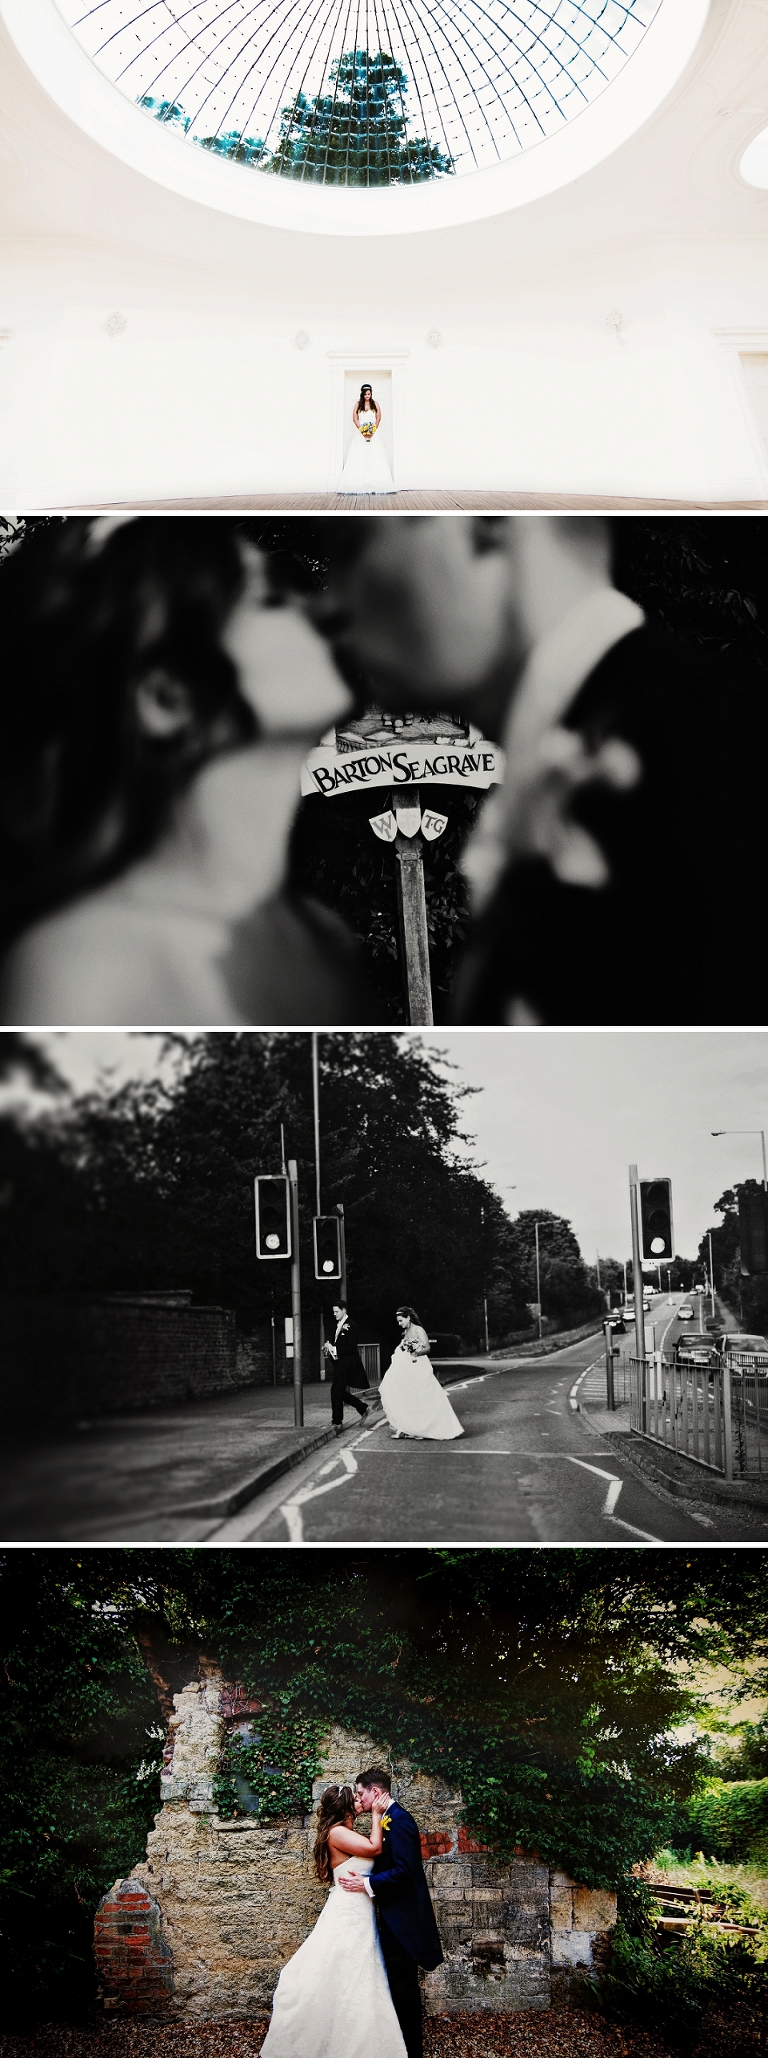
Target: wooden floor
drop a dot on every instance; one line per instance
(437, 503)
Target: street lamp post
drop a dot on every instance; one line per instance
(485, 1296)
(538, 1276)
(747, 1132)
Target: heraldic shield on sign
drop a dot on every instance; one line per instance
(400, 751)
(405, 753)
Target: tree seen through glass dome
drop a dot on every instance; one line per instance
(353, 135)
(356, 135)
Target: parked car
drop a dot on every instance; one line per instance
(748, 1346)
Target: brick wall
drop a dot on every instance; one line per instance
(236, 1899)
(103, 1355)
(133, 1962)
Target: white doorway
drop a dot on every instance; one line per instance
(381, 381)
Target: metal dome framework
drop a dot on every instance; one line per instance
(362, 92)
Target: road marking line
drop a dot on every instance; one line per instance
(645, 1534)
(572, 1400)
(291, 1510)
(673, 1318)
(614, 1487)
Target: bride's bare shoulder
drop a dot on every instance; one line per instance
(90, 962)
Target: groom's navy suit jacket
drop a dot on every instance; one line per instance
(402, 1893)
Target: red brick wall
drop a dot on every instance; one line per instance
(133, 1965)
(438, 1843)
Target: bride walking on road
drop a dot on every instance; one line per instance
(333, 1998)
(412, 1398)
(367, 466)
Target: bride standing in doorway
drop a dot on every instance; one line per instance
(367, 465)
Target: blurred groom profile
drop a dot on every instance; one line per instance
(628, 827)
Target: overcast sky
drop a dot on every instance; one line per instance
(560, 1115)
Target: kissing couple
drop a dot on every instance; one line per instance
(353, 1988)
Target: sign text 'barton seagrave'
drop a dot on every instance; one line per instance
(329, 772)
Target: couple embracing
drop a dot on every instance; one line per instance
(353, 1988)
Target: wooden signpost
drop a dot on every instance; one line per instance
(405, 753)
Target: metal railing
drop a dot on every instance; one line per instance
(749, 1407)
(713, 1411)
(684, 1405)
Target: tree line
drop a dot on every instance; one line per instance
(151, 1186)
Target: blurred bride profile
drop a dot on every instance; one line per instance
(367, 466)
(158, 708)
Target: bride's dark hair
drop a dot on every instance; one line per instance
(366, 389)
(335, 1805)
(410, 1312)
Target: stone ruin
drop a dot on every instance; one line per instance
(204, 1923)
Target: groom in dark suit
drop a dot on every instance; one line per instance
(408, 1931)
(635, 769)
(347, 1366)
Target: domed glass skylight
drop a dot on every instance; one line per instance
(362, 92)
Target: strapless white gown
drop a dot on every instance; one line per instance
(414, 1401)
(332, 1999)
(367, 466)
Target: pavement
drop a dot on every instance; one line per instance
(158, 1476)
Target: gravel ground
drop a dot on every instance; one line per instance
(551, 2034)
(555, 2033)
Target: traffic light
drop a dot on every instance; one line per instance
(656, 1232)
(273, 1218)
(329, 1256)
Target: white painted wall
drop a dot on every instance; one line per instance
(530, 389)
(203, 408)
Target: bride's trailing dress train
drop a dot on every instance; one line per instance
(413, 1399)
(367, 466)
(332, 1999)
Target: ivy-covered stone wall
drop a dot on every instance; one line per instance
(226, 1900)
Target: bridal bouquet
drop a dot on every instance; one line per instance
(368, 429)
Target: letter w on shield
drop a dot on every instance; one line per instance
(384, 826)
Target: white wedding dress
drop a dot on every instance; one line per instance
(367, 466)
(332, 1999)
(413, 1399)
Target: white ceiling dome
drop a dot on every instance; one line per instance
(359, 87)
(379, 116)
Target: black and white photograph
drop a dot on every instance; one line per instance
(378, 1288)
(469, 769)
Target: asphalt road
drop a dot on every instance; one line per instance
(529, 1469)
